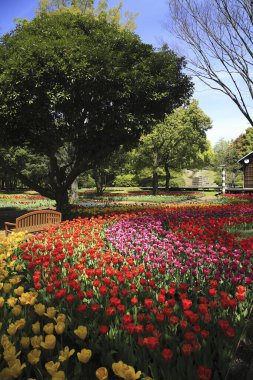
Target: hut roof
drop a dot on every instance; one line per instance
(249, 156)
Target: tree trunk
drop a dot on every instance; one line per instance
(232, 179)
(155, 182)
(98, 177)
(62, 203)
(167, 177)
(7, 184)
(74, 192)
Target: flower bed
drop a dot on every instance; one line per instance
(24, 201)
(161, 293)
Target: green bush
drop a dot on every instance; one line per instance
(125, 180)
(85, 180)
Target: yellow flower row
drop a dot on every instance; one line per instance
(7, 247)
(17, 303)
(36, 342)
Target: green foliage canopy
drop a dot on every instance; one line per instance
(178, 141)
(77, 84)
(113, 15)
(244, 143)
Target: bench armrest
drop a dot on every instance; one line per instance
(7, 230)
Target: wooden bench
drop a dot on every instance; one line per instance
(34, 221)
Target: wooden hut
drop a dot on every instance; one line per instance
(247, 166)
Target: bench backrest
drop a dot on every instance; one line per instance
(37, 220)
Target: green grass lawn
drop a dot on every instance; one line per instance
(145, 198)
(245, 233)
(242, 230)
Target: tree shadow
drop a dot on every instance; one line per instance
(9, 214)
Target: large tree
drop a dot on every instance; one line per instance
(74, 87)
(177, 142)
(219, 35)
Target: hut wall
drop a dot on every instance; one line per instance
(248, 175)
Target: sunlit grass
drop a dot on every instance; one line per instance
(243, 230)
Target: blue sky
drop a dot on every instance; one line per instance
(228, 122)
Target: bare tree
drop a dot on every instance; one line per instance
(219, 34)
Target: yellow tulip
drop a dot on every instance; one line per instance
(12, 329)
(36, 328)
(48, 328)
(10, 353)
(17, 368)
(52, 367)
(18, 268)
(36, 341)
(25, 341)
(28, 298)
(19, 290)
(11, 264)
(84, 356)
(39, 309)
(59, 328)
(60, 318)
(34, 356)
(5, 341)
(3, 274)
(5, 374)
(50, 342)
(16, 310)
(65, 354)
(51, 312)
(60, 375)
(1, 302)
(15, 280)
(7, 287)
(125, 371)
(20, 323)
(81, 332)
(12, 301)
(102, 373)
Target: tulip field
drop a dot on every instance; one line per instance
(158, 293)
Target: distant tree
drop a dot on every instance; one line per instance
(73, 88)
(244, 143)
(8, 180)
(20, 162)
(177, 142)
(118, 163)
(226, 153)
(219, 34)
